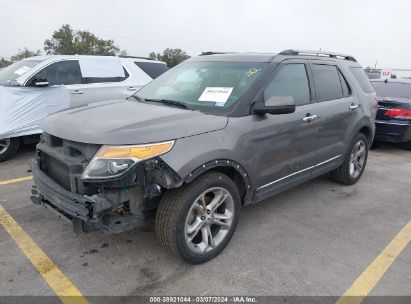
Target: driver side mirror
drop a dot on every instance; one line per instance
(40, 82)
(275, 105)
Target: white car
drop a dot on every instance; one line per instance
(35, 87)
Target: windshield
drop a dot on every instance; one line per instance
(14, 71)
(392, 89)
(203, 85)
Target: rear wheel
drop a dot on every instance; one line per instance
(353, 167)
(198, 220)
(8, 147)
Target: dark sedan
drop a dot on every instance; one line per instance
(393, 121)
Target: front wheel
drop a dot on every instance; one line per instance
(353, 167)
(8, 148)
(197, 220)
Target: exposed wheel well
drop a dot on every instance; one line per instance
(236, 177)
(367, 132)
(230, 169)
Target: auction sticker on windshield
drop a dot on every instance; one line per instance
(22, 70)
(216, 94)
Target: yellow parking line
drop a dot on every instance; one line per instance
(61, 285)
(16, 180)
(374, 272)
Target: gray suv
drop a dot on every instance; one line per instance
(209, 136)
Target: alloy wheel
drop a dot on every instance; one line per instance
(209, 220)
(4, 145)
(357, 159)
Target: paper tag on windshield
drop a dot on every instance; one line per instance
(216, 94)
(22, 70)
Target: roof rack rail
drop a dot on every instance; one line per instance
(137, 57)
(317, 53)
(214, 53)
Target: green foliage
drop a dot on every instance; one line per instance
(21, 54)
(66, 41)
(123, 53)
(4, 63)
(170, 56)
(24, 53)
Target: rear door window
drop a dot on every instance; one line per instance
(290, 80)
(327, 82)
(362, 79)
(152, 69)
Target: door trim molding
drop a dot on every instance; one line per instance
(298, 172)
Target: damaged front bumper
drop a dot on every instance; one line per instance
(86, 213)
(111, 206)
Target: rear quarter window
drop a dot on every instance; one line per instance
(152, 69)
(327, 82)
(362, 79)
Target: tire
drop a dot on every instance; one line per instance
(185, 208)
(8, 148)
(407, 145)
(353, 167)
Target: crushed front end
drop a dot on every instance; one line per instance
(111, 204)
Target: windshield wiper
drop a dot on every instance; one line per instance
(138, 98)
(169, 102)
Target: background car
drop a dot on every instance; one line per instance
(26, 84)
(393, 122)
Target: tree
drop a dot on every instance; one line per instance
(123, 53)
(21, 54)
(170, 56)
(66, 41)
(24, 53)
(4, 63)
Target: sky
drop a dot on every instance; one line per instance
(374, 32)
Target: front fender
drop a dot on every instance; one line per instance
(191, 153)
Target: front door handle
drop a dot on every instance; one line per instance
(77, 92)
(353, 107)
(310, 117)
(132, 89)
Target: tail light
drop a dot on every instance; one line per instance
(398, 113)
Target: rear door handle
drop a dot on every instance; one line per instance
(310, 117)
(353, 107)
(77, 92)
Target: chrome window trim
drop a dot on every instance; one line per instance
(298, 172)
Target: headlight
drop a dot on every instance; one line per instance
(112, 161)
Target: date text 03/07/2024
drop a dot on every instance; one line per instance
(203, 299)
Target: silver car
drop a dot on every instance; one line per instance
(34, 87)
(213, 134)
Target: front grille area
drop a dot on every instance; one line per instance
(56, 170)
(64, 161)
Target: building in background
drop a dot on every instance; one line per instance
(388, 73)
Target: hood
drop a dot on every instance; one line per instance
(129, 122)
